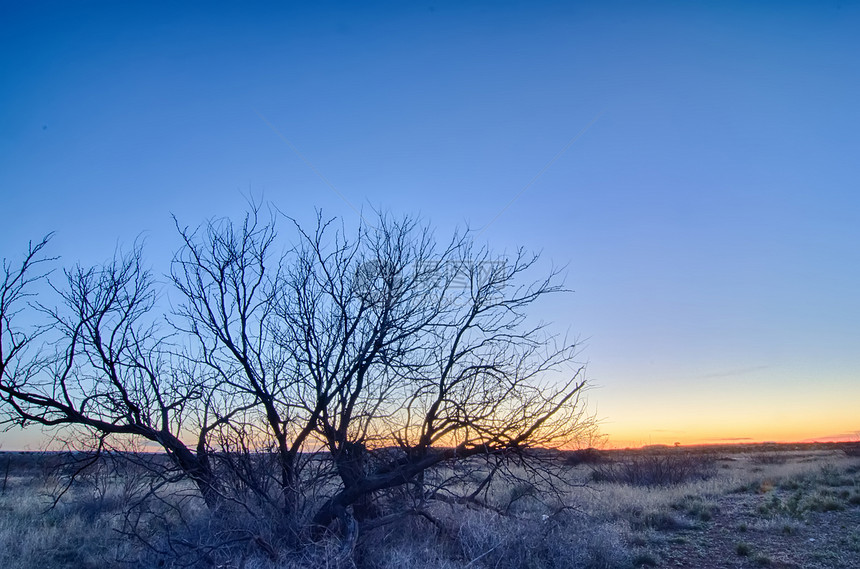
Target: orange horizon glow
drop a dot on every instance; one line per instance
(30, 441)
(617, 444)
(824, 431)
(621, 439)
(33, 439)
(755, 408)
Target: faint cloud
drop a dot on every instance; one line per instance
(308, 163)
(837, 438)
(541, 171)
(732, 372)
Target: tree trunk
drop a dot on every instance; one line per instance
(351, 466)
(195, 466)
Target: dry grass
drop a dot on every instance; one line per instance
(77, 533)
(786, 508)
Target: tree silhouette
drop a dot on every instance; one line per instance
(336, 383)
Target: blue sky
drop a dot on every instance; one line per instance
(709, 217)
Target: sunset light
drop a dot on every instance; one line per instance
(302, 273)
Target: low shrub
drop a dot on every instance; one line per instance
(583, 456)
(697, 508)
(851, 449)
(644, 560)
(824, 504)
(655, 469)
(485, 540)
(660, 520)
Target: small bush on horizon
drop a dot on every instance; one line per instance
(588, 455)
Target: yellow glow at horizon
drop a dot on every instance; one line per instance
(752, 408)
(733, 411)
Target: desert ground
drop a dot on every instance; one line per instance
(740, 506)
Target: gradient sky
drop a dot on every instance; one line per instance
(709, 216)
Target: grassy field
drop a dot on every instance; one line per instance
(781, 506)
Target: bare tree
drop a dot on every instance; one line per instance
(312, 384)
(417, 348)
(15, 340)
(105, 366)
